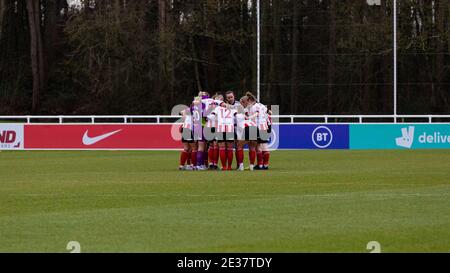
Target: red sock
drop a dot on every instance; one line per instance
(216, 156)
(223, 157)
(211, 155)
(252, 155)
(240, 156)
(260, 157)
(236, 152)
(183, 157)
(194, 158)
(189, 158)
(266, 156)
(230, 158)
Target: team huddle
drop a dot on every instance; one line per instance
(220, 127)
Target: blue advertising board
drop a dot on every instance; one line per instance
(310, 136)
(361, 136)
(400, 136)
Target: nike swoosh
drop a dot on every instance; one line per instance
(92, 140)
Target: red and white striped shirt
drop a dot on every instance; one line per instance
(211, 122)
(212, 119)
(187, 119)
(263, 120)
(224, 119)
(259, 111)
(242, 122)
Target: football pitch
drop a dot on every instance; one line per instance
(310, 201)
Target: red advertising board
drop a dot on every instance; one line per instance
(107, 136)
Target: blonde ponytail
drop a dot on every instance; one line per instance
(250, 96)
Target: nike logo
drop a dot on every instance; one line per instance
(92, 140)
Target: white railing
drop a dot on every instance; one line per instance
(365, 118)
(281, 119)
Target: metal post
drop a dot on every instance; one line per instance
(395, 59)
(258, 50)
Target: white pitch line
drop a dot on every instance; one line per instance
(331, 195)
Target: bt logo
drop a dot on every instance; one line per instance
(322, 137)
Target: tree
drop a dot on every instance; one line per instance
(166, 77)
(2, 9)
(37, 52)
(143, 56)
(15, 71)
(54, 14)
(332, 57)
(441, 70)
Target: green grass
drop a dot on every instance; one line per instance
(311, 201)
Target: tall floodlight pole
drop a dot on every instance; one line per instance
(258, 49)
(395, 59)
